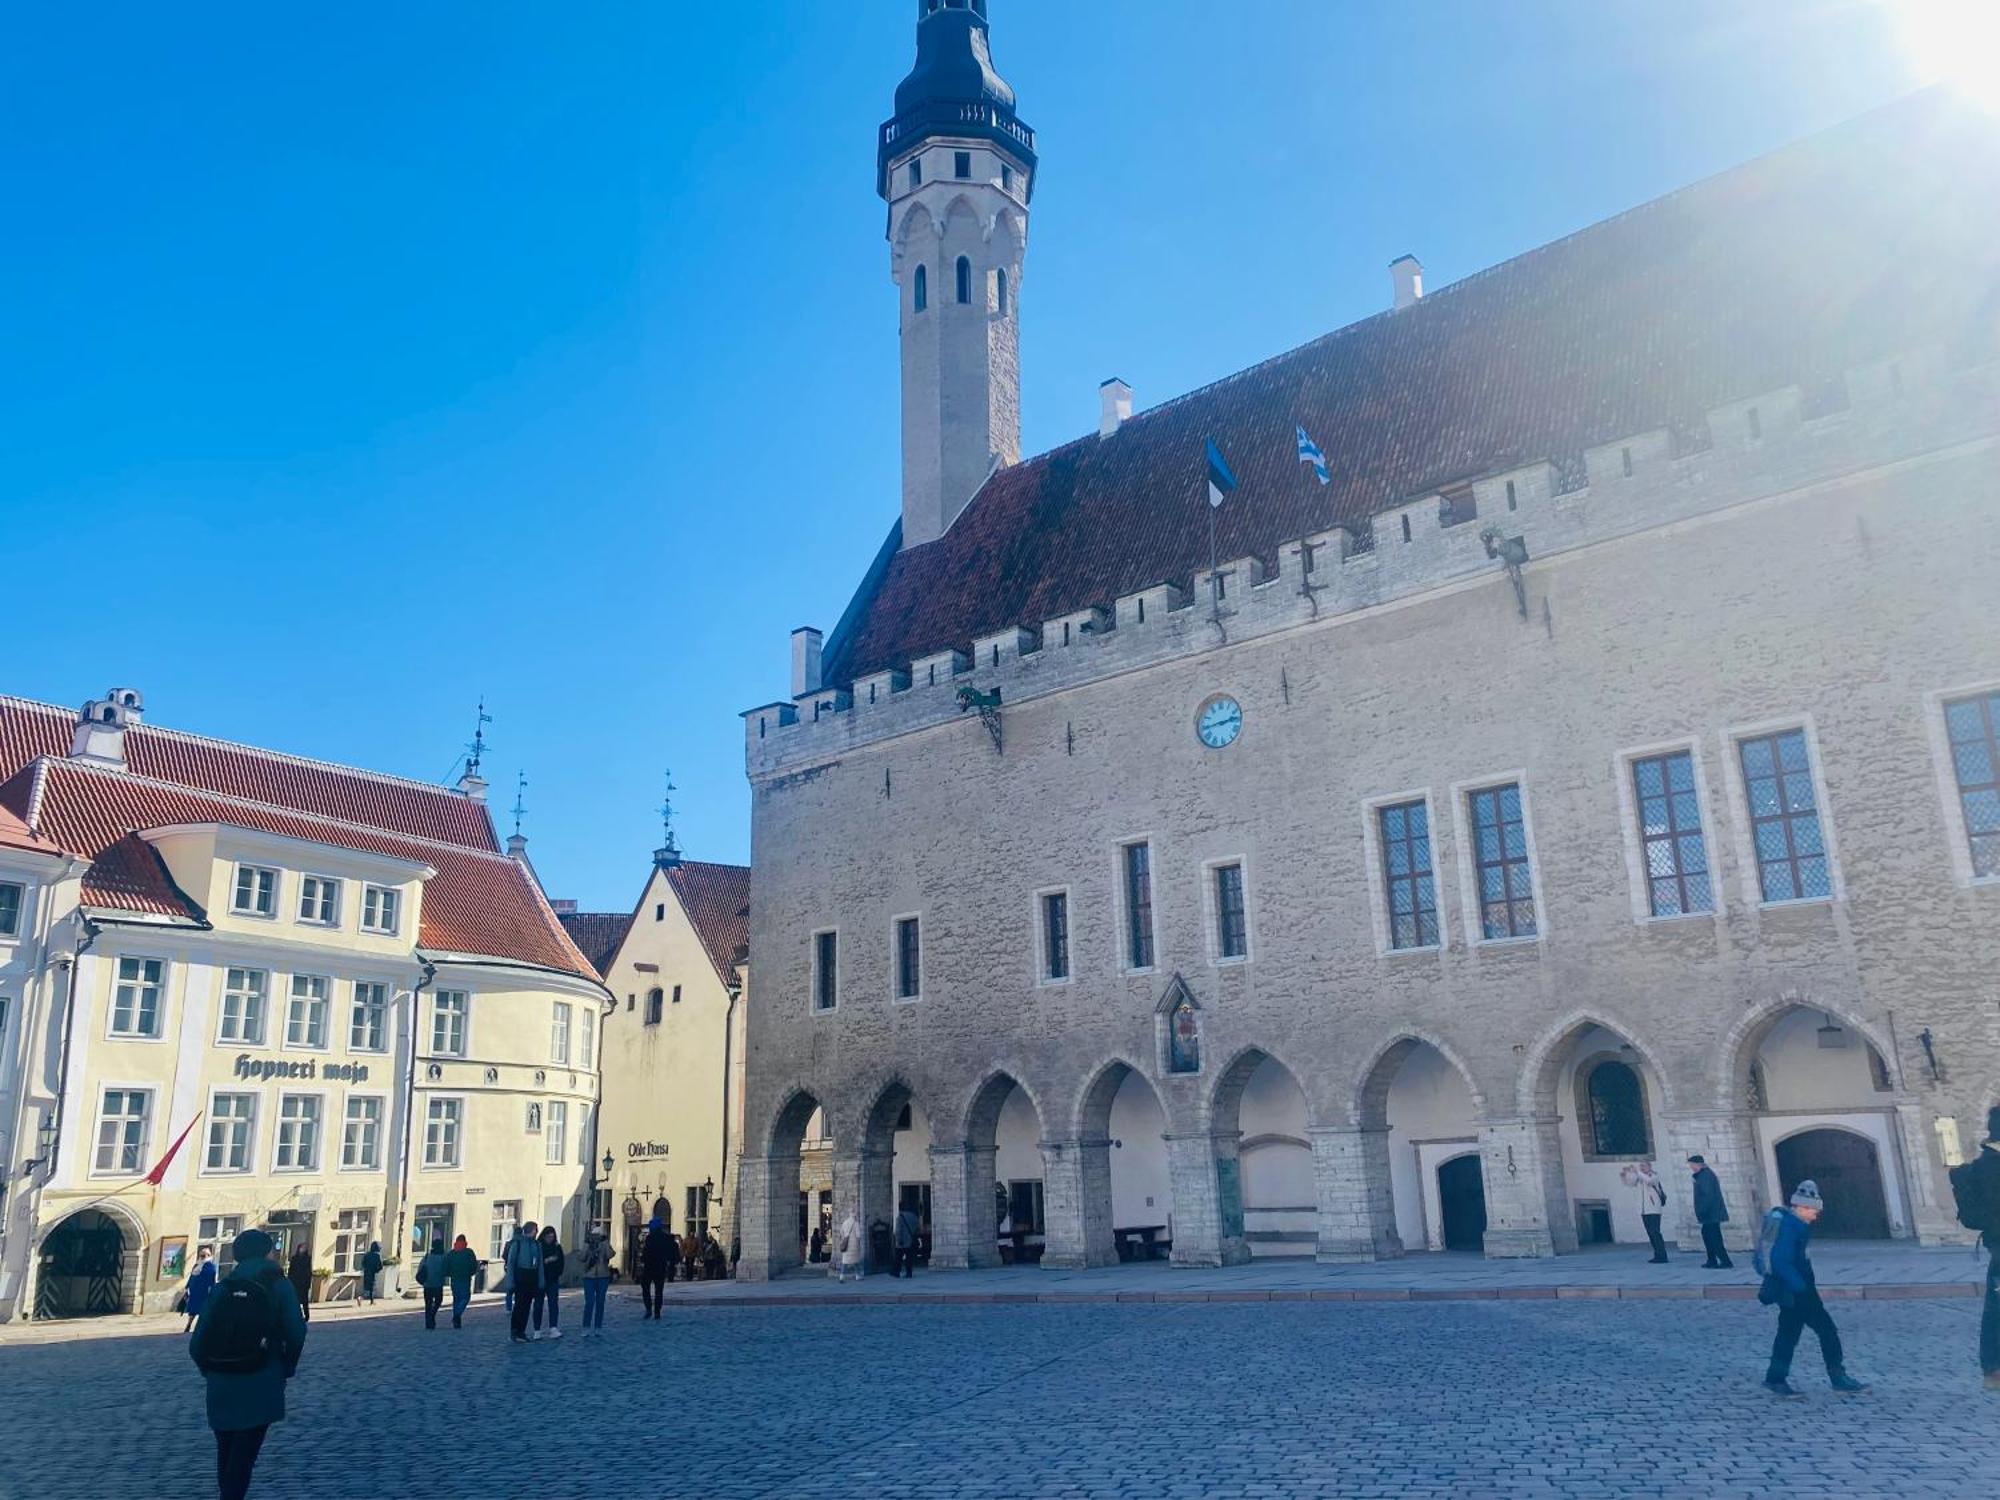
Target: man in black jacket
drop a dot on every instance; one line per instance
(1976, 1185)
(1712, 1213)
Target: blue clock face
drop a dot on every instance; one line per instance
(1220, 721)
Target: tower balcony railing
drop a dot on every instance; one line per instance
(977, 116)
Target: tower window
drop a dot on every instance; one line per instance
(922, 294)
(964, 279)
(1000, 292)
(917, 174)
(1006, 177)
(961, 163)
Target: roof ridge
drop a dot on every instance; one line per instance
(494, 855)
(261, 752)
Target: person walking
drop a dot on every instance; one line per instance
(656, 1266)
(460, 1266)
(431, 1277)
(199, 1285)
(690, 1256)
(1712, 1213)
(1976, 1186)
(1650, 1194)
(1791, 1285)
(247, 1345)
(371, 1267)
(848, 1251)
(553, 1261)
(521, 1274)
(908, 1229)
(596, 1261)
(300, 1273)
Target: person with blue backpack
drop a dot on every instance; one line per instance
(521, 1274)
(1976, 1186)
(247, 1344)
(1790, 1285)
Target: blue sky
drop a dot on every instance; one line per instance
(362, 360)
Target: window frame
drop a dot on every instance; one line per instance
(10, 921)
(656, 1005)
(827, 984)
(323, 884)
(1129, 929)
(587, 1038)
(159, 1031)
(325, 1044)
(961, 281)
(464, 1012)
(237, 909)
(1587, 1143)
(1381, 906)
(263, 997)
(354, 1014)
(920, 290)
(1637, 877)
(143, 1147)
(350, 1239)
(247, 1127)
(1743, 827)
(499, 1219)
(555, 1133)
(897, 975)
(278, 1122)
(457, 1161)
(1464, 828)
(347, 1103)
(1957, 834)
(385, 897)
(1040, 921)
(561, 1019)
(1215, 917)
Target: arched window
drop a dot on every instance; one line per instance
(1612, 1103)
(923, 289)
(964, 279)
(1000, 291)
(655, 1006)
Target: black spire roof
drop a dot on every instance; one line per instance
(952, 90)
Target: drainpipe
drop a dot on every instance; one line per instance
(402, 1208)
(91, 932)
(722, 1177)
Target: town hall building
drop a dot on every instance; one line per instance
(1597, 760)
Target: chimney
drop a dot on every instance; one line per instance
(99, 736)
(1406, 275)
(1114, 406)
(805, 661)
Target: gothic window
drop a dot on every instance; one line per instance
(1784, 817)
(1000, 292)
(1612, 1104)
(964, 279)
(922, 298)
(655, 1006)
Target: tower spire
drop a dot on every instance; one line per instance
(668, 854)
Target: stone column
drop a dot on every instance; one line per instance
(1076, 1198)
(1527, 1206)
(1208, 1201)
(962, 1209)
(875, 1180)
(767, 1195)
(1357, 1212)
(1727, 1139)
(1933, 1210)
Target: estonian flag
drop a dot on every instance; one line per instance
(1309, 454)
(1221, 482)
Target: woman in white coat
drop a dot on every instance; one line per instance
(1650, 1195)
(847, 1254)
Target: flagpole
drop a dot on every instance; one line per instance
(1214, 578)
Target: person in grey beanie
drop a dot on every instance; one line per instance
(1791, 1285)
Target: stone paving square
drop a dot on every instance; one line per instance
(1544, 1397)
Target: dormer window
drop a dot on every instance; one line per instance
(256, 893)
(381, 909)
(319, 900)
(1456, 506)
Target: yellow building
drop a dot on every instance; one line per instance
(673, 1046)
(240, 989)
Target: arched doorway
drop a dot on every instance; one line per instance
(1264, 1162)
(896, 1168)
(1609, 1101)
(1847, 1169)
(1127, 1186)
(88, 1267)
(1006, 1195)
(1461, 1189)
(1420, 1105)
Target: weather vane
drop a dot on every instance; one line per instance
(520, 808)
(476, 751)
(667, 846)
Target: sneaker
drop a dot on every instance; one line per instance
(516, 1339)
(1779, 1386)
(555, 1333)
(1842, 1381)
(534, 1335)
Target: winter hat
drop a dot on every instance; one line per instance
(1806, 1195)
(252, 1244)
(1699, 1160)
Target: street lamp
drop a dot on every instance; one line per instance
(609, 1163)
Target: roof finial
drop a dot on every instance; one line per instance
(520, 808)
(668, 853)
(476, 751)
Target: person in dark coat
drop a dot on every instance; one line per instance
(371, 1267)
(199, 1285)
(431, 1277)
(657, 1255)
(1712, 1213)
(1793, 1287)
(521, 1265)
(242, 1406)
(553, 1261)
(1976, 1185)
(908, 1230)
(460, 1266)
(300, 1274)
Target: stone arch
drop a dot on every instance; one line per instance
(772, 1185)
(95, 1290)
(1125, 1144)
(1739, 1047)
(1414, 1106)
(1378, 1073)
(1266, 1191)
(795, 1110)
(980, 1155)
(879, 1173)
(1226, 1097)
(1542, 1069)
(980, 1117)
(1090, 1115)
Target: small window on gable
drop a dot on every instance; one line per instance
(659, 911)
(961, 163)
(655, 1006)
(1456, 506)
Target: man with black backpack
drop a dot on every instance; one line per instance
(247, 1345)
(1976, 1186)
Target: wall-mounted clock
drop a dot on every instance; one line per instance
(1219, 722)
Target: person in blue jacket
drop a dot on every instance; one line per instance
(246, 1389)
(1791, 1284)
(199, 1286)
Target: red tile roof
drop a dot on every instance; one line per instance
(480, 902)
(28, 729)
(716, 899)
(597, 934)
(1866, 241)
(15, 834)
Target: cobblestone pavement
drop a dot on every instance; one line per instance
(1518, 1398)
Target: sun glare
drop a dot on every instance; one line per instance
(1955, 41)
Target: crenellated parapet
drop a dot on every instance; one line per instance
(1757, 448)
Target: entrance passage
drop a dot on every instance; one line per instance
(1848, 1172)
(1462, 1203)
(83, 1268)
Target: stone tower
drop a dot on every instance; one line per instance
(956, 168)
